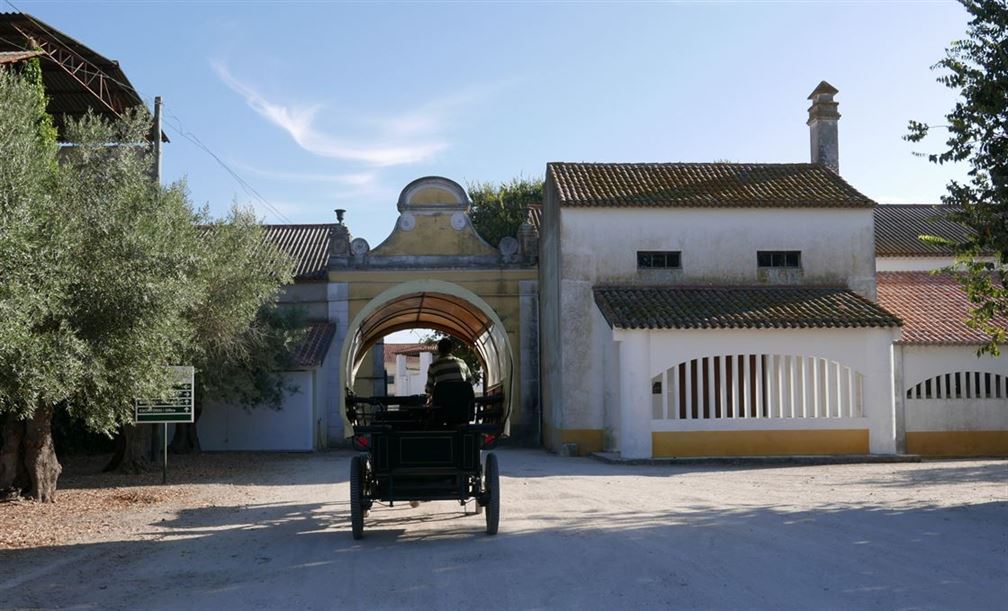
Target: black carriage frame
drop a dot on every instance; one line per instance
(411, 451)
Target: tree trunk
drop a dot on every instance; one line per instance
(40, 455)
(13, 475)
(132, 447)
(186, 440)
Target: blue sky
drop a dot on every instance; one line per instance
(323, 105)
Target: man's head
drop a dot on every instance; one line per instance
(444, 346)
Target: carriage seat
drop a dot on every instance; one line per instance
(453, 403)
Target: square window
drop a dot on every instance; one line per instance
(658, 259)
(778, 258)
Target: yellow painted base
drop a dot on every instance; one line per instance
(587, 440)
(958, 443)
(759, 443)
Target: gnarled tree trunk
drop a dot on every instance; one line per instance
(132, 447)
(28, 457)
(186, 440)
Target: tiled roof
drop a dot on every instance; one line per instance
(308, 245)
(412, 351)
(746, 307)
(897, 227)
(714, 185)
(933, 307)
(535, 216)
(312, 350)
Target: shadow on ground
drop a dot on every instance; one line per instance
(301, 555)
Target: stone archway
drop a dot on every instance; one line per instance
(438, 305)
(434, 270)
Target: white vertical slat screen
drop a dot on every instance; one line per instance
(768, 386)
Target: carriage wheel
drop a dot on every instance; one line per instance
(356, 492)
(491, 478)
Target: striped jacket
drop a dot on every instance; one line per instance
(446, 369)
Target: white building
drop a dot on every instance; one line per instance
(714, 309)
(949, 400)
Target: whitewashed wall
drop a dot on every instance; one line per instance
(599, 247)
(225, 427)
(645, 354)
(920, 363)
(719, 245)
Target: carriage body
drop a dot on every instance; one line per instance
(414, 452)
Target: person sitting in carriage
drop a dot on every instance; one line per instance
(446, 368)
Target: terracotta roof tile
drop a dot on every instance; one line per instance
(897, 227)
(308, 245)
(693, 307)
(411, 351)
(535, 216)
(312, 350)
(933, 307)
(723, 185)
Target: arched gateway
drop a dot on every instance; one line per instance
(434, 271)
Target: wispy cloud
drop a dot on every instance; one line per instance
(398, 140)
(355, 179)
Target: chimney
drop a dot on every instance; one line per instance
(822, 122)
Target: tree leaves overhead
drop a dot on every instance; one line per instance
(499, 210)
(977, 135)
(106, 276)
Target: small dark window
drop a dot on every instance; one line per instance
(778, 258)
(658, 259)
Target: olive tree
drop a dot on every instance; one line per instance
(977, 134)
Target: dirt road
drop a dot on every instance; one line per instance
(575, 533)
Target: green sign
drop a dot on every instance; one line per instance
(176, 405)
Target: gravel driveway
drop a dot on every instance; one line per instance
(575, 533)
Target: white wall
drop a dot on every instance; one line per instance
(719, 245)
(645, 354)
(920, 363)
(911, 264)
(599, 246)
(230, 427)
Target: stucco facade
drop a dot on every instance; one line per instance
(582, 248)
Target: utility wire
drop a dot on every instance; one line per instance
(177, 127)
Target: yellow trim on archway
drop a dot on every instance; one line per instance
(496, 334)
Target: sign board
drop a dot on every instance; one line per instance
(176, 405)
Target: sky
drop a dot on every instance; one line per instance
(323, 105)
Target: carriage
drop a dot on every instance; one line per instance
(414, 451)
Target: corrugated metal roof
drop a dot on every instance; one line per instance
(312, 350)
(68, 98)
(746, 307)
(308, 245)
(934, 308)
(708, 185)
(898, 227)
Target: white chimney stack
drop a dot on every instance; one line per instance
(822, 122)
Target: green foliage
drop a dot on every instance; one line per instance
(107, 277)
(41, 358)
(977, 68)
(462, 350)
(43, 121)
(499, 210)
(239, 338)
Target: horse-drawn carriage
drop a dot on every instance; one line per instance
(415, 451)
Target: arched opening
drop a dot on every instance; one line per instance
(436, 305)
